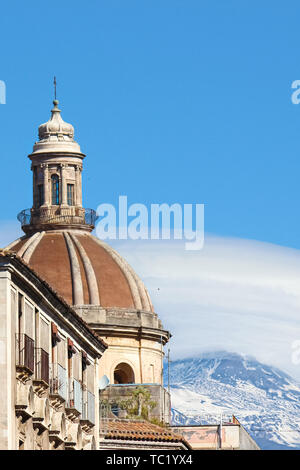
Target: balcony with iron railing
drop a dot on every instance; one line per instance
(74, 401)
(58, 384)
(41, 374)
(88, 409)
(57, 215)
(24, 355)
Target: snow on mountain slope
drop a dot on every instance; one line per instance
(263, 398)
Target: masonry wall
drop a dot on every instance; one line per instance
(208, 437)
(161, 411)
(35, 413)
(144, 357)
(246, 441)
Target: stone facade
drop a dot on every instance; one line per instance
(48, 366)
(161, 411)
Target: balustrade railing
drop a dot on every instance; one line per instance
(88, 409)
(58, 381)
(42, 365)
(57, 215)
(25, 351)
(75, 395)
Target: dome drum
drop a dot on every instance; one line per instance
(123, 322)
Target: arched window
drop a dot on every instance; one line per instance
(123, 374)
(55, 190)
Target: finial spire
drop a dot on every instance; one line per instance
(54, 82)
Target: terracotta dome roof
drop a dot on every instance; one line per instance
(83, 269)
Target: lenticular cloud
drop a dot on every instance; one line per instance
(238, 295)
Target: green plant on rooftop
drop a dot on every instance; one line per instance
(138, 403)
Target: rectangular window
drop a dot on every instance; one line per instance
(58, 380)
(55, 190)
(44, 335)
(90, 378)
(61, 352)
(77, 367)
(70, 194)
(29, 326)
(40, 195)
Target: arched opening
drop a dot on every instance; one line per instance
(123, 374)
(55, 190)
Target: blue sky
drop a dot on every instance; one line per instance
(175, 101)
(172, 101)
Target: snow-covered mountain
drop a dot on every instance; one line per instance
(264, 399)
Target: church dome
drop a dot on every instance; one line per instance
(90, 275)
(58, 244)
(83, 269)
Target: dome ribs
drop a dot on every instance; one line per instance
(137, 287)
(51, 261)
(112, 283)
(28, 253)
(75, 272)
(86, 294)
(16, 244)
(124, 268)
(83, 269)
(94, 297)
(27, 244)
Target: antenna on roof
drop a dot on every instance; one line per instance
(54, 83)
(168, 357)
(103, 382)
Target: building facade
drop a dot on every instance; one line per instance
(74, 312)
(49, 366)
(91, 276)
(227, 436)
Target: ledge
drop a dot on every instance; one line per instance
(23, 373)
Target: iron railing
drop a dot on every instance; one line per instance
(24, 217)
(75, 395)
(42, 365)
(33, 216)
(88, 409)
(25, 351)
(58, 381)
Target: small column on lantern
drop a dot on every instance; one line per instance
(64, 201)
(46, 185)
(78, 193)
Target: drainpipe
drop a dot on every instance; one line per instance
(140, 355)
(220, 432)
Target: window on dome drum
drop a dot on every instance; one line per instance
(55, 190)
(123, 374)
(40, 195)
(70, 194)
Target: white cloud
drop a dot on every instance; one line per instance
(238, 295)
(235, 294)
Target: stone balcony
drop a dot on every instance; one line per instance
(53, 217)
